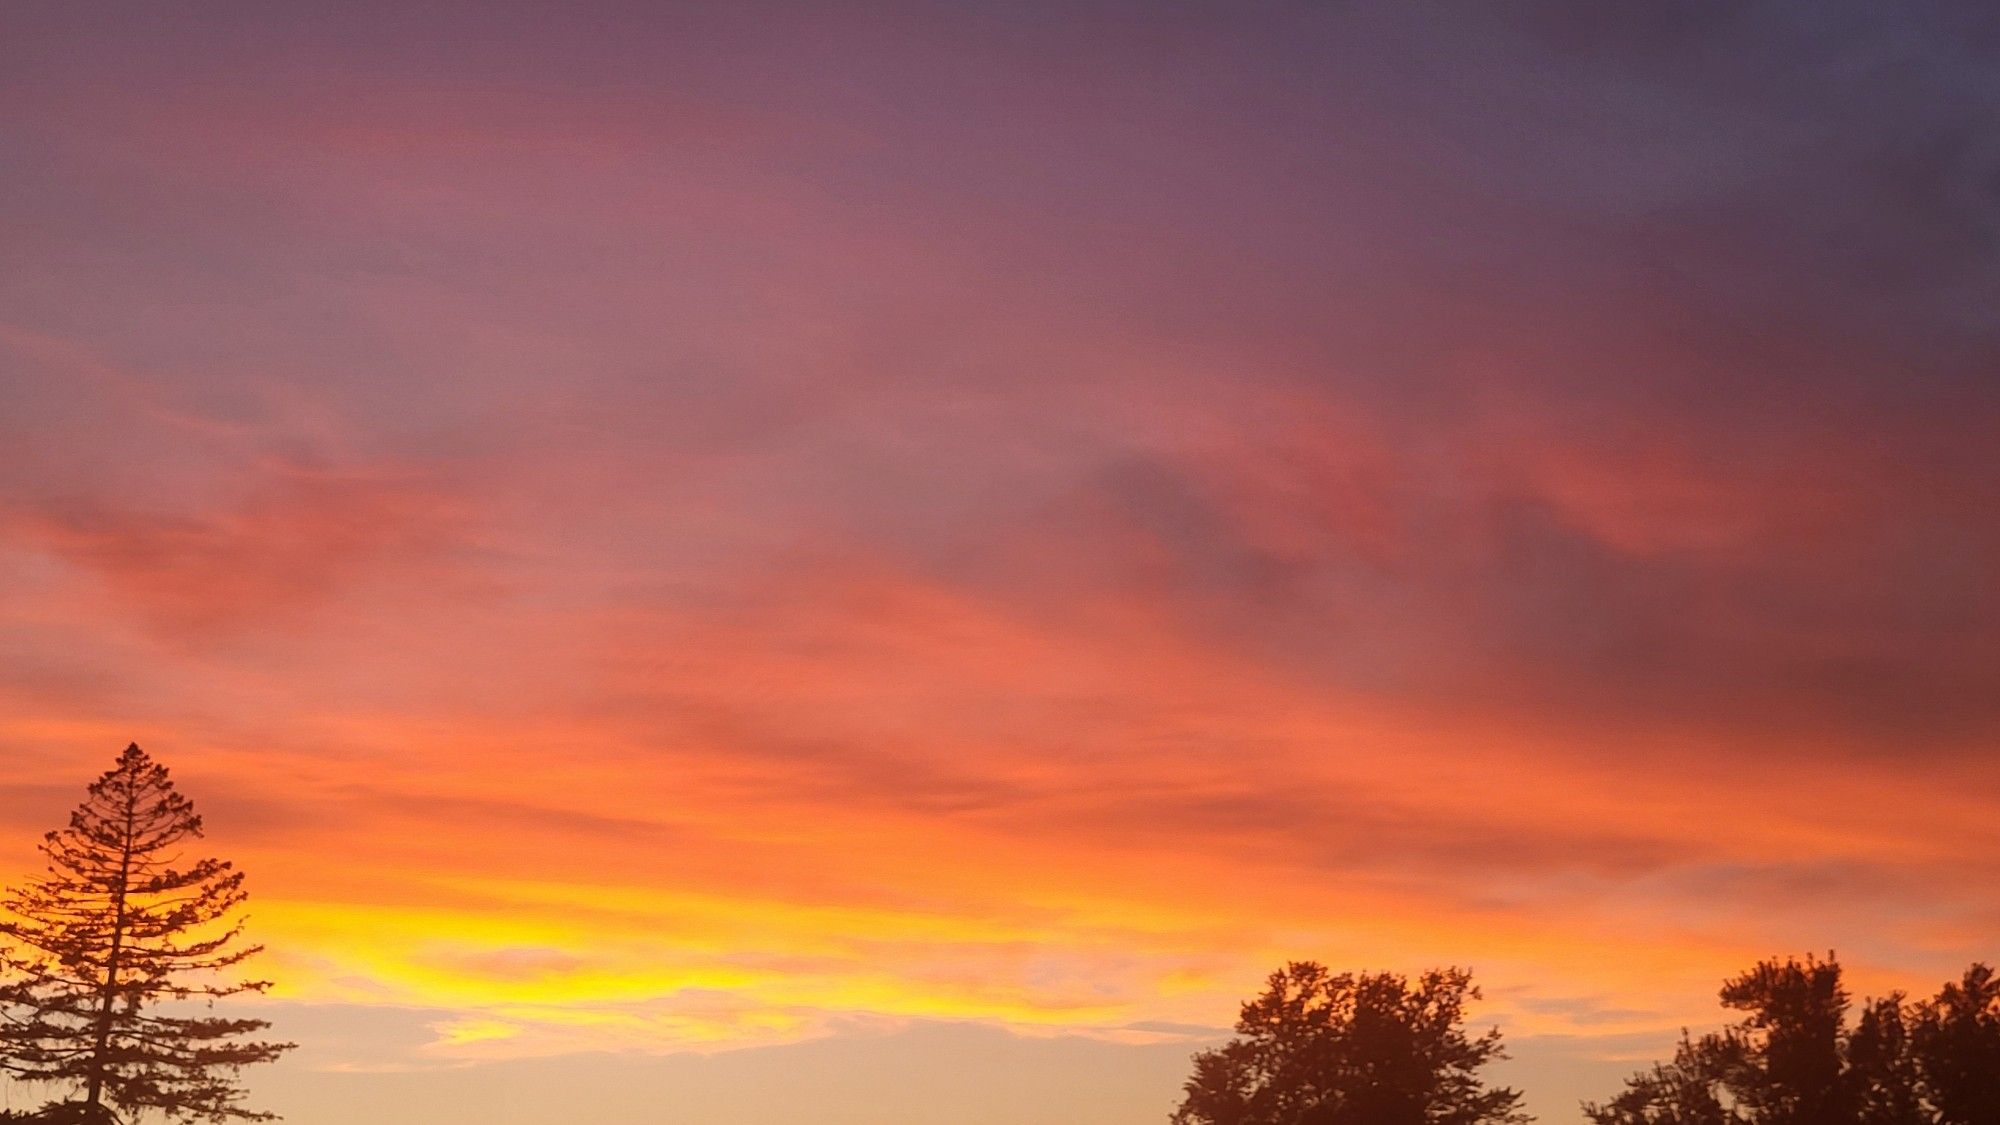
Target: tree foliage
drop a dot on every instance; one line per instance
(104, 946)
(1955, 1045)
(1793, 1059)
(1368, 1049)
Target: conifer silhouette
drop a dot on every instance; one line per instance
(101, 950)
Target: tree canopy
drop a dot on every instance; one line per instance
(1352, 1049)
(1794, 1058)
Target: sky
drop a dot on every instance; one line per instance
(883, 564)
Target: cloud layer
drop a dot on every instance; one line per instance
(659, 531)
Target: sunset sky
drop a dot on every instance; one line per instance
(882, 564)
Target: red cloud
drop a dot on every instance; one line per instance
(293, 539)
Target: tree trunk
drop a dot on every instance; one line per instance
(94, 1089)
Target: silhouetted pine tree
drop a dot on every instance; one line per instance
(100, 947)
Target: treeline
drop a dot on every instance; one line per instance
(1380, 1049)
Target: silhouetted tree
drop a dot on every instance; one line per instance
(1681, 1092)
(1319, 1049)
(1783, 1064)
(1955, 1040)
(1793, 1060)
(117, 929)
(1881, 1072)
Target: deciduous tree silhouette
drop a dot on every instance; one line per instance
(1881, 1075)
(118, 929)
(1685, 1091)
(1319, 1049)
(1955, 1039)
(1792, 1060)
(1784, 1061)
